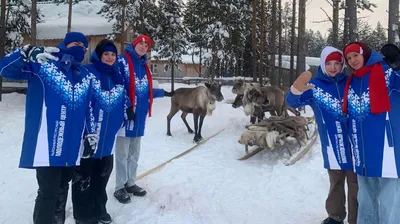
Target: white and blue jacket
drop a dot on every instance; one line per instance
(57, 103)
(109, 102)
(326, 100)
(141, 107)
(375, 138)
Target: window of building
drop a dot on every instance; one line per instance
(154, 69)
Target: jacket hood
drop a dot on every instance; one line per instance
(94, 57)
(374, 58)
(134, 55)
(324, 54)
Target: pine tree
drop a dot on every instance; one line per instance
(330, 40)
(194, 21)
(315, 43)
(377, 38)
(132, 15)
(364, 31)
(17, 18)
(172, 34)
(286, 27)
(393, 22)
(219, 26)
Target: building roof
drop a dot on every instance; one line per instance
(84, 19)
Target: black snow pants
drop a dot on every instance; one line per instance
(52, 194)
(89, 196)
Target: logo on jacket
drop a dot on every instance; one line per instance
(108, 99)
(57, 80)
(329, 103)
(142, 86)
(359, 106)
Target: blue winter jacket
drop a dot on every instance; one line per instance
(57, 102)
(326, 100)
(109, 102)
(141, 107)
(375, 138)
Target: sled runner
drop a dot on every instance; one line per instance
(272, 133)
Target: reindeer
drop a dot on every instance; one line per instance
(200, 101)
(240, 88)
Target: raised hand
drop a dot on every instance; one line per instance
(391, 55)
(302, 83)
(39, 54)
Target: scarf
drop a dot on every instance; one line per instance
(132, 89)
(378, 92)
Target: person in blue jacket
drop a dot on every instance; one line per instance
(109, 102)
(372, 101)
(138, 83)
(57, 104)
(324, 94)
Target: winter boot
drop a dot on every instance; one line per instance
(91, 221)
(122, 196)
(102, 216)
(329, 220)
(136, 190)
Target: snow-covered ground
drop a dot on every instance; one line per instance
(208, 185)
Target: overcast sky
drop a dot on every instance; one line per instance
(314, 13)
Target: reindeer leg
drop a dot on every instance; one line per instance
(183, 116)
(252, 119)
(261, 116)
(200, 126)
(196, 127)
(288, 150)
(174, 109)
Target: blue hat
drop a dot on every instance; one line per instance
(111, 48)
(75, 37)
(105, 45)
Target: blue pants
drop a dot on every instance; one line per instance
(378, 200)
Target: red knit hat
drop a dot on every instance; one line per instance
(358, 47)
(353, 47)
(142, 38)
(334, 56)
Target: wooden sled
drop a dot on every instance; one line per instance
(293, 158)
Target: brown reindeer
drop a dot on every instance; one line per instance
(200, 101)
(240, 87)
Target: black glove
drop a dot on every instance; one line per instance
(392, 55)
(90, 145)
(130, 114)
(169, 93)
(39, 54)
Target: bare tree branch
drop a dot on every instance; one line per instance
(330, 19)
(321, 21)
(327, 20)
(329, 2)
